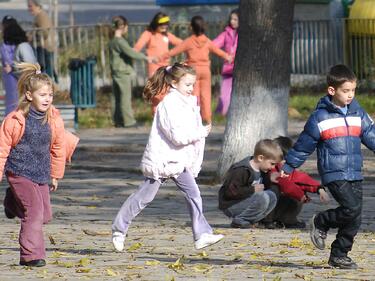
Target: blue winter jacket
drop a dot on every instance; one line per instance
(337, 138)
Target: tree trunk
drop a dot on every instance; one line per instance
(259, 103)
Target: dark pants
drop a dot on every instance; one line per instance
(46, 61)
(286, 211)
(346, 217)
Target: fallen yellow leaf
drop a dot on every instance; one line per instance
(153, 262)
(177, 265)
(84, 262)
(202, 268)
(135, 246)
(110, 272)
(83, 270)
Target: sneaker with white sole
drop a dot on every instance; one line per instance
(118, 239)
(207, 239)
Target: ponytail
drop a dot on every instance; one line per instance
(161, 81)
(31, 80)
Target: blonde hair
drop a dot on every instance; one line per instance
(270, 149)
(161, 81)
(31, 80)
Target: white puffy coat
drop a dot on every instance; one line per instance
(176, 140)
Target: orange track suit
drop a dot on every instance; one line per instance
(157, 44)
(197, 49)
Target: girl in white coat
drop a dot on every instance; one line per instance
(174, 150)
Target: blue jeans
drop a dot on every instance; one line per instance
(253, 208)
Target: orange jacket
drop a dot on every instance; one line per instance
(157, 44)
(197, 49)
(63, 143)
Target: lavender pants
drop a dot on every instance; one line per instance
(31, 203)
(146, 193)
(225, 94)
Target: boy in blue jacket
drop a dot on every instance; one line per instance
(337, 128)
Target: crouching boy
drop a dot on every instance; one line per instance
(242, 196)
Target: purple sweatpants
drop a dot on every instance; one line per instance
(225, 94)
(146, 193)
(31, 203)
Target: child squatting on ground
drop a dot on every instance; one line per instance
(292, 192)
(174, 150)
(242, 196)
(34, 147)
(337, 128)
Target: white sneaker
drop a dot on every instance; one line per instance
(207, 239)
(118, 240)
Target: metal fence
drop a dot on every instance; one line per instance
(316, 46)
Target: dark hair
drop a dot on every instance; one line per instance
(339, 74)
(233, 12)
(13, 34)
(118, 21)
(285, 144)
(155, 22)
(198, 25)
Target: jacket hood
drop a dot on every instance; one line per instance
(199, 41)
(243, 163)
(326, 103)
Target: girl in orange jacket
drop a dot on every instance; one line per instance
(197, 49)
(33, 151)
(157, 39)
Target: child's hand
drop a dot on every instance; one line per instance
(206, 130)
(258, 187)
(7, 68)
(283, 174)
(323, 195)
(54, 185)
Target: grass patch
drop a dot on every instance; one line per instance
(303, 104)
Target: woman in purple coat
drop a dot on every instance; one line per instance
(228, 41)
(7, 50)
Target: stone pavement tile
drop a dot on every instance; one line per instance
(159, 245)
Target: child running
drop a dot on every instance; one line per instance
(337, 128)
(198, 48)
(33, 151)
(174, 150)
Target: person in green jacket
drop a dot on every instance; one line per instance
(120, 58)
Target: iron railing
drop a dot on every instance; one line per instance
(316, 46)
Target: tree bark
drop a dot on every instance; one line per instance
(259, 103)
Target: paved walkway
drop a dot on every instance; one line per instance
(159, 244)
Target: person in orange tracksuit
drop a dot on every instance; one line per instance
(157, 39)
(197, 48)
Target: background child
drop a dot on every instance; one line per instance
(337, 128)
(120, 57)
(292, 192)
(197, 48)
(242, 196)
(157, 39)
(33, 153)
(228, 41)
(7, 49)
(174, 150)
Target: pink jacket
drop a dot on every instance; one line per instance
(227, 40)
(63, 143)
